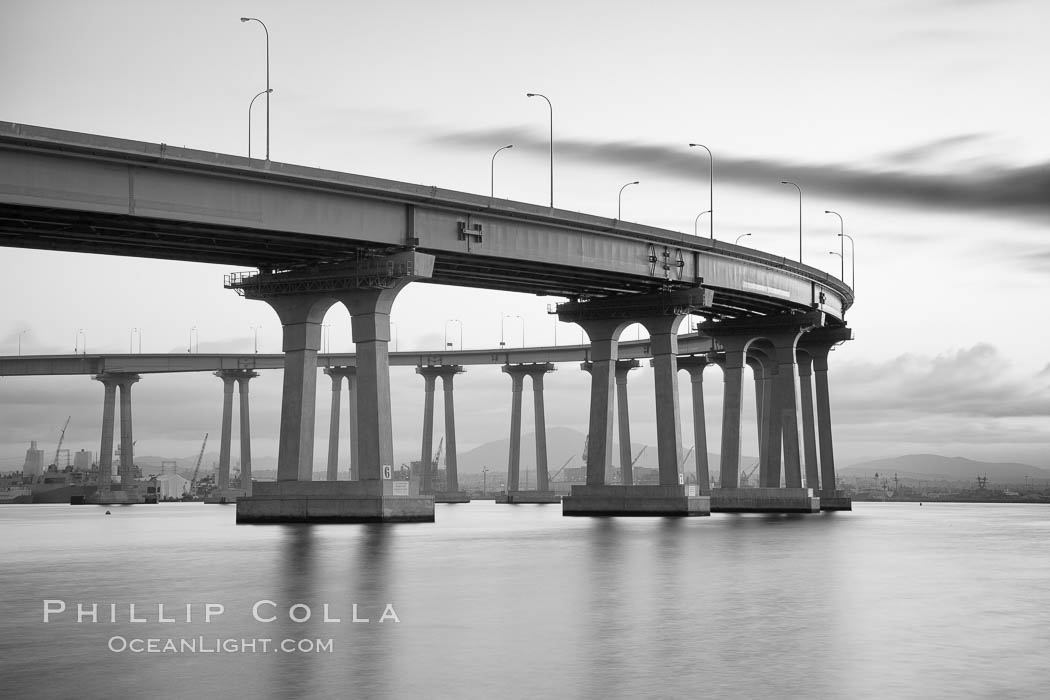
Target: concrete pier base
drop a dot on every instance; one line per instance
(634, 501)
(764, 500)
(332, 502)
(528, 497)
(835, 500)
(225, 496)
(451, 497)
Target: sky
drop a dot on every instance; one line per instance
(921, 122)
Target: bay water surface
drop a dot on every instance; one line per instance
(892, 600)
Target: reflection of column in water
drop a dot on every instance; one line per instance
(367, 650)
(293, 674)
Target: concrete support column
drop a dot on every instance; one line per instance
(105, 456)
(786, 406)
(426, 483)
(770, 421)
(301, 317)
(351, 391)
(542, 475)
(370, 326)
(451, 467)
(732, 403)
(823, 398)
(514, 458)
(623, 420)
(809, 435)
(695, 366)
(663, 332)
(762, 395)
(333, 427)
(222, 479)
(127, 440)
(246, 432)
(604, 335)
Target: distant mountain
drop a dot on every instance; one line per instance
(926, 467)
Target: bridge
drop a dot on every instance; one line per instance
(316, 237)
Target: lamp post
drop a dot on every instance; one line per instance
(326, 337)
(268, 90)
(255, 332)
(393, 327)
(842, 245)
(711, 194)
(485, 480)
(454, 320)
(841, 259)
(250, 105)
(619, 199)
(522, 319)
(492, 170)
(131, 340)
(193, 332)
(788, 182)
(852, 260)
(76, 344)
(696, 221)
(743, 235)
(20, 341)
(549, 105)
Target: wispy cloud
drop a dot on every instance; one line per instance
(1016, 191)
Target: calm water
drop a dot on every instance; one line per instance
(889, 601)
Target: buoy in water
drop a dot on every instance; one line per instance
(108, 513)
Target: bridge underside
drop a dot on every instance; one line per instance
(42, 228)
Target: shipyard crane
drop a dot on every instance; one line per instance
(682, 463)
(196, 469)
(745, 479)
(551, 479)
(639, 455)
(437, 455)
(61, 437)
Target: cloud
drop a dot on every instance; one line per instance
(1017, 191)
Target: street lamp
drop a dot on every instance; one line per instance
(841, 259)
(326, 337)
(193, 332)
(454, 320)
(250, 105)
(255, 331)
(788, 182)
(522, 319)
(20, 341)
(696, 221)
(852, 260)
(743, 235)
(268, 90)
(536, 94)
(492, 170)
(131, 340)
(842, 245)
(393, 327)
(711, 194)
(76, 344)
(485, 480)
(619, 199)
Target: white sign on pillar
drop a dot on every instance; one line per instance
(388, 472)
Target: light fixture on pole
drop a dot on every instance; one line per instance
(536, 94)
(393, 327)
(842, 245)
(742, 235)
(841, 259)
(852, 261)
(711, 185)
(696, 221)
(619, 199)
(788, 182)
(522, 319)
(492, 170)
(250, 105)
(76, 344)
(255, 333)
(20, 341)
(268, 90)
(193, 332)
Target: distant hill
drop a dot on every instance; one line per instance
(927, 467)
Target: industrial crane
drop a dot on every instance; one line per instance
(639, 455)
(61, 437)
(745, 479)
(682, 463)
(560, 470)
(437, 455)
(193, 481)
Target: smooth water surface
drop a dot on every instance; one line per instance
(889, 601)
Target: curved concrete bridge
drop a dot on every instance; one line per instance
(316, 238)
